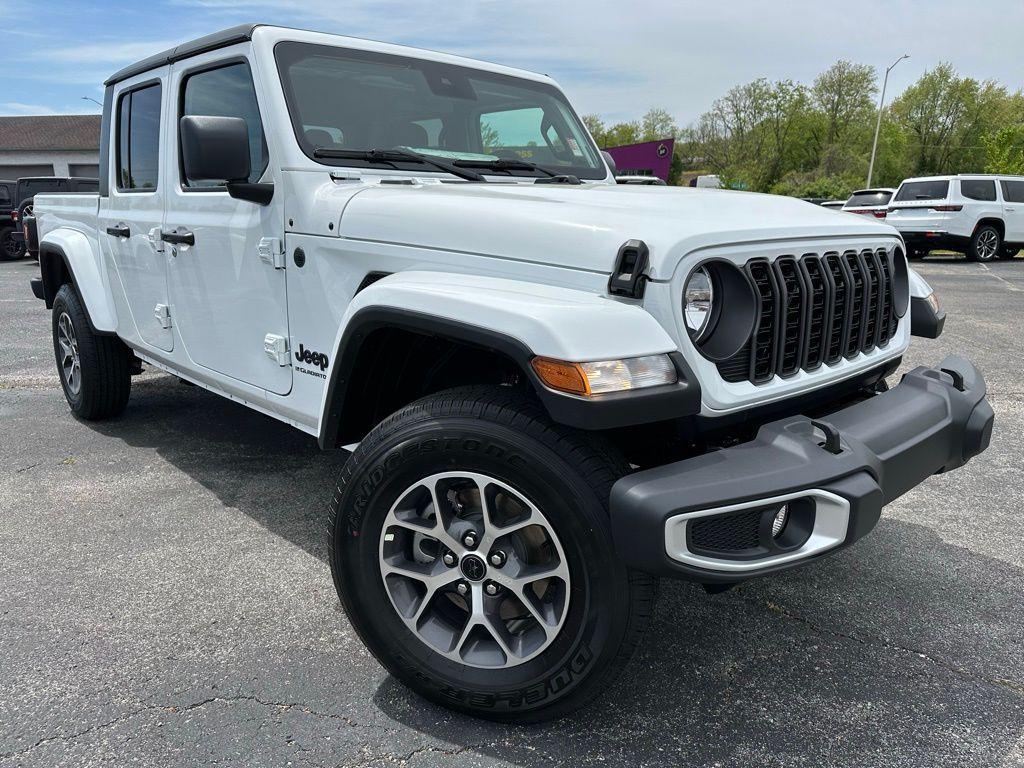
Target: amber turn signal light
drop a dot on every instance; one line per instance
(560, 375)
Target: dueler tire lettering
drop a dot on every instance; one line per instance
(503, 434)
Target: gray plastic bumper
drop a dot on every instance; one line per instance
(836, 472)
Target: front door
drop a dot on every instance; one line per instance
(1013, 210)
(133, 213)
(228, 300)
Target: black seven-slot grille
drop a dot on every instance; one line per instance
(815, 309)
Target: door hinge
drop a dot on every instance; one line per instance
(276, 348)
(271, 251)
(163, 315)
(155, 239)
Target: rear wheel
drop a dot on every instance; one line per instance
(986, 244)
(95, 370)
(472, 551)
(10, 249)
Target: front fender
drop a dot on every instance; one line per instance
(67, 252)
(520, 320)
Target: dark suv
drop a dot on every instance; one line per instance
(21, 205)
(10, 247)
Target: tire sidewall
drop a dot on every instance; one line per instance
(599, 594)
(66, 302)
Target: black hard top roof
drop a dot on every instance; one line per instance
(222, 39)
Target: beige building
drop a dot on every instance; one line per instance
(49, 145)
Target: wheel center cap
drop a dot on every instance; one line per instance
(473, 567)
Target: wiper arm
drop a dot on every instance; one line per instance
(506, 164)
(392, 156)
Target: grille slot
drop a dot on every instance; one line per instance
(726, 533)
(815, 310)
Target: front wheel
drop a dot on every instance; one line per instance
(472, 552)
(986, 244)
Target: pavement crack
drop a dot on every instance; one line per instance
(876, 640)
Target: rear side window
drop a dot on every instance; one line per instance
(5, 196)
(1013, 191)
(922, 190)
(138, 139)
(869, 198)
(227, 91)
(978, 189)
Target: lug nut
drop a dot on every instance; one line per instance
(497, 558)
(491, 588)
(470, 539)
(449, 559)
(462, 588)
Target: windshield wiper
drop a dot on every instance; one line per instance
(506, 164)
(392, 156)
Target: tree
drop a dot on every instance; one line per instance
(946, 117)
(658, 124)
(1005, 150)
(596, 127)
(845, 95)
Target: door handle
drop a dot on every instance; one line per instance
(121, 230)
(182, 237)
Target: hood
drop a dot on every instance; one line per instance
(582, 227)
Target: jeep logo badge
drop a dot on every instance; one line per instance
(309, 357)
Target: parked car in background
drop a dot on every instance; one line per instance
(979, 215)
(650, 181)
(835, 205)
(707, 181)
(10, 247)
(870, 202)
(24, 195)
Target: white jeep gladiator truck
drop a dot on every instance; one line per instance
(555, 389)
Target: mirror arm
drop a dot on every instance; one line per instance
(260, 193)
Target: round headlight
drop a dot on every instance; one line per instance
(698, 297)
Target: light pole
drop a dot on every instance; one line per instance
(94, 101)
(881, 104)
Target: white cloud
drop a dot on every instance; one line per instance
(17, 108)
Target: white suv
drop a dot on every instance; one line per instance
(979, 215)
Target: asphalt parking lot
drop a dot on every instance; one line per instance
(165, 600)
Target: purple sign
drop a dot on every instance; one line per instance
(648, 158)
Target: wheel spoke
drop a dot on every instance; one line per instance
(439, 531)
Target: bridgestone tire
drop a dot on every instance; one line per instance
(986, 244)
(567, 475)
(104, 379)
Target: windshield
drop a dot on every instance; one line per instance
(869, 197)
(343, 99)
(923, 190)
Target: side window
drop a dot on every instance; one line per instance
(5, 196)
(227, 91)
(138, 139)
(1013, 191)
(978, 189)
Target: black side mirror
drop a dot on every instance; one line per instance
(217, 149)
(610, 160)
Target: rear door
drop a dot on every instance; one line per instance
(131, 217)
(1013, 209)
(228, 285)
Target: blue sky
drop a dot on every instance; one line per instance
(614, 57)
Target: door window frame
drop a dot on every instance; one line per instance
(183, 78)
(116, 187)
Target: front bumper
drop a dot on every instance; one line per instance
(834, 474)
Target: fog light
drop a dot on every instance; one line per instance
(779, 522)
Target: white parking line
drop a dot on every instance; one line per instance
(1001, 279)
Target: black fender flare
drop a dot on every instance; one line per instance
(599, 412)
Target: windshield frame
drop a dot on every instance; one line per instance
(282, 57)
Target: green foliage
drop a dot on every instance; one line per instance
(1005, 150)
